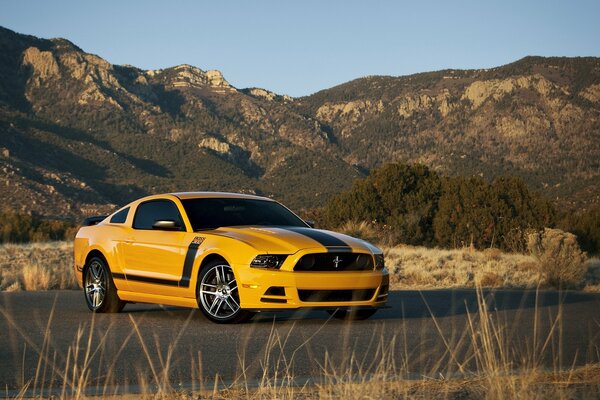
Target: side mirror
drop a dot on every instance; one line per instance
(166, 225)
(310, 223)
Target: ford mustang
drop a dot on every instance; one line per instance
(231, 255)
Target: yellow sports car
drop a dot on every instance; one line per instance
(231, 255)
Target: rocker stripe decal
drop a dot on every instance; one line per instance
(188, 264)
(118, 276)
(146, 279)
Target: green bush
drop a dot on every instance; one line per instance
(399, 196)
(21, 228)
(414, 205)
(586, 225)
(474, 212)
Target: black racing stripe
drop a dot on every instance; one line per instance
(323, 238)
(146, 279)
(190, 256)
(118, 276)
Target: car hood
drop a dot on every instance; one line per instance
(289, 240)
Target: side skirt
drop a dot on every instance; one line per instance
(157, 299)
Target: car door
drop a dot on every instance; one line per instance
(153, 257)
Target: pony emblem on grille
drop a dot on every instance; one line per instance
(336, 261)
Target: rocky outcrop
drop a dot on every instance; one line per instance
(268, 95)
(530, 122)
(262, 93)
(95, 76)
(350, 111)
(410, 104)
(42, 63)
(216, 145)
(591, 93)
(479, 91)
(93, 94)
(192, 77)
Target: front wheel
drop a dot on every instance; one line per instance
(218, 296)
(354, 315)
(99, 289)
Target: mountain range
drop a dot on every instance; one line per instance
(79, 135)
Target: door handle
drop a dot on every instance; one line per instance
(128, 240)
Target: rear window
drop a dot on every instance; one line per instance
(212, 213)
(120, 217)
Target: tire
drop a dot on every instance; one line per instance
(352, 315)
(99, 289)
(218, 296)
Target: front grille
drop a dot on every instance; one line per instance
(335, 295)
(335, 262)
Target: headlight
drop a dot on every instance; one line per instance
(271, 261)
(379, 262)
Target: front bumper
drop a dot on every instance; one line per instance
(261, 289)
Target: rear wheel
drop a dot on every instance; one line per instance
(354, 315)
(99, 289)
(218, 296)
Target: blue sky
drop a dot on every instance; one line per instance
(299, 47)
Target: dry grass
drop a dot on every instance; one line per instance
(44, 266)
(554, 260)
(37, 266)
(419, 267)
(363, 229)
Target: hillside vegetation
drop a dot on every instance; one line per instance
(80, 136)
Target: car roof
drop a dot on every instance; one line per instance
(201, 195)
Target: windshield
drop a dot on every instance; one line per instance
(212, 213)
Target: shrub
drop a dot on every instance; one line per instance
(22, 228)
(419, 207)
(560, 260)
(586, 225)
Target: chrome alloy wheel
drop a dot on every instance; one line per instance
(218, 292)
(95, 284)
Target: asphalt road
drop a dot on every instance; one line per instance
(422, 333)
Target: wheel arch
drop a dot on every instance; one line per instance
(95, 253)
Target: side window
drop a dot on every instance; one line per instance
(120, 217)
(149, 212)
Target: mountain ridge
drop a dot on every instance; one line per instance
(80, 135)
